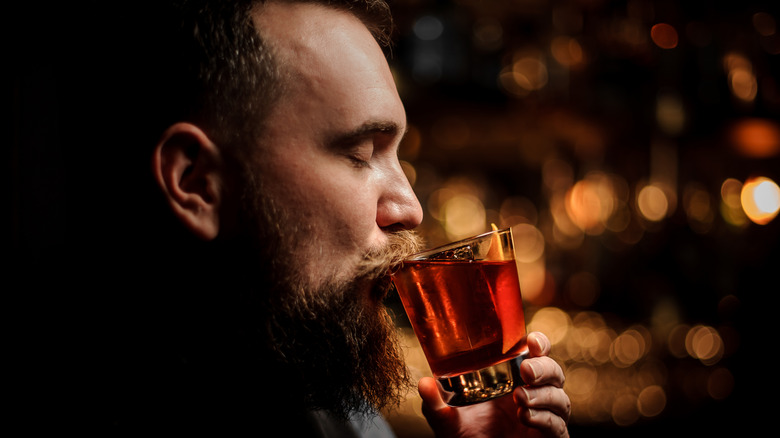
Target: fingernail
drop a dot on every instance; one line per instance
(532, 413)
(533, 370)
(527, 395)
(538, 343)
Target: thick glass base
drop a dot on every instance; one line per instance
(482, 385)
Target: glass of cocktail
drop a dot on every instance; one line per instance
(463, 301)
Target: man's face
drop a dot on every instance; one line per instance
(329, 192)
(329, 153)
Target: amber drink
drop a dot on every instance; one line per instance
(464, 304)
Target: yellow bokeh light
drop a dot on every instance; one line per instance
(529, 243)
(590, 202)
(533, 278)
(561, 218)
(760, 198)
(731, 205)
(730, 192)
(581, 380)
(436, 202)
(551, 321)
(599, 343)
(652, 203)
(464, 215)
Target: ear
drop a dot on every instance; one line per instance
(188, 168)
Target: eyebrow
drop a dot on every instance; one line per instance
(365, 130)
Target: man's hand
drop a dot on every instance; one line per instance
(540, 408)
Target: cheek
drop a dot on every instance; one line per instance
(341, 221)
(335, 203)
(347, 203)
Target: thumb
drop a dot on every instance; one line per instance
(434, 408)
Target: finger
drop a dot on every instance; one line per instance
(434, 408)
(549, 424)
(538, 344)
(544, 398)
(541, 371)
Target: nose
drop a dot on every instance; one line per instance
(397, 206)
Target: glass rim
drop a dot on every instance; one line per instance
(417, 256)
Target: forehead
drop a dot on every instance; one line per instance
(300, 32)
(335, 72)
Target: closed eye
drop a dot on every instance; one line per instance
(358, 144)
(361, 154)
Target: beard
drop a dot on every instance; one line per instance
(338, 343)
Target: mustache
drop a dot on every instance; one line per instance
(378, 262)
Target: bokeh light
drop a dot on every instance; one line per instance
(731, 203)
(760, 199)
(463, 215)
(664, 35)
(756, 137)
(428, 28)
(567, 51)
(651, 401)
(704, 343)
(590, 202)
(698, 207)
(741, 79)
(670, 114)
(552, 321)
(526, 73)
(764, 24)
(652, 202)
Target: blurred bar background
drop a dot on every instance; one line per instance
(634, 147)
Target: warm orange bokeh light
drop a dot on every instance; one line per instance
(760, 199)
(590, 202)
(653, 203)
(664, 36)
(567, 51)
(756, 138)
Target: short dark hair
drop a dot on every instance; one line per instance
(222, 75)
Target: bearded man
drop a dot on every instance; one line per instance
(269, 217)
